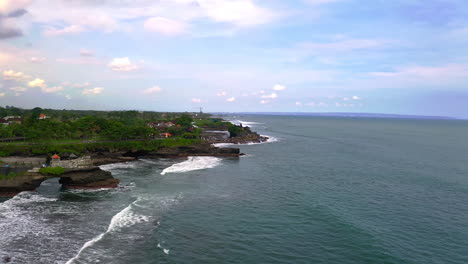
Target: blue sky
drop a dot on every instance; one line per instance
(401, 56)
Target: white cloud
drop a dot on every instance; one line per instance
(231, 99)
(270, 96)
(222, 93)
(356, 98)
(93, 91)
(279, 87)
(122, 64)
(73, 29)
(54, 89)
(298, 103)
(196, 100)
(165, 26)
(86, 53)
(19, 89)
(264, 101)
(11, 75)
(152, 90)
(238, 12)
(346, 99)
(37, 83)
(37, 59)
(2, 94)
(68, 97)
(111, 15)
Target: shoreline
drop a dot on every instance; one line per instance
(95, 178)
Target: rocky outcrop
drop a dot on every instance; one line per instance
(195, 150)
(25, 182)
(247, 137)
(89, 178)
(102, 158)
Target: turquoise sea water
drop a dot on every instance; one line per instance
(330, 190)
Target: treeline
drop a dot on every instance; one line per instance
(86, 148)
(93, 125)
(65, 115)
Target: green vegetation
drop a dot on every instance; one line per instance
(235, 131)
(55, 171)
(9, 176)
(82, 132)
(70, 125)
(212, 123)
(82, 148)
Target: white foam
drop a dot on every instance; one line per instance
(24, 198)
(224, 145)
(113, 166)
(166, 251)
(125, 218)
(21, 217)
(193, 163)
(244, 123)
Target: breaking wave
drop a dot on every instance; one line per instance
(193, 163)
(224, 145)
(125, 218)
(244, 123)
(113, 166)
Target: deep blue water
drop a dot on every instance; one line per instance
(330, 190)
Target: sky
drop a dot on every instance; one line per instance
(372, 56)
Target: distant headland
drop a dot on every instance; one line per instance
(345, 114)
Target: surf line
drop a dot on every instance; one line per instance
(193, 163)
(124, 218)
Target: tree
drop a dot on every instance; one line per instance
(184, 120)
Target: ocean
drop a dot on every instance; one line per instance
(322, 190)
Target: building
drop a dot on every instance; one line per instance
(42, 116)
(9, 120)
(74, 163)
(166, 135)
(161, 125)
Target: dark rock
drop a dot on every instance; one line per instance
(195, 150)
(89, 178)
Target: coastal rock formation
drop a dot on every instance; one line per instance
(195, 150)
(88, 178)
(25, 182)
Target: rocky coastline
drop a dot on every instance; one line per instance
(93, 177)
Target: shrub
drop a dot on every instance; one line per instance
(56, 171)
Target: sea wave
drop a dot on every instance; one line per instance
(20, 216)
(165, 250)
(24, 198)
(193, 163)
(244, 123)
(125, 218)
(114, 166)
(269, 140)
